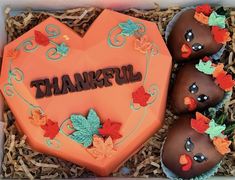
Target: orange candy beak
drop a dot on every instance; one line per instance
(191, 103)
(185, 51)
(186, 162)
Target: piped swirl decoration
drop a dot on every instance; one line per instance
(36, 113)
(117, 38)
(118, 35)
(56, 50)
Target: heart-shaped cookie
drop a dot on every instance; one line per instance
(91, 100)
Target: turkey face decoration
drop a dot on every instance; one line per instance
(188, 153)
(194, 90)
(197, 33)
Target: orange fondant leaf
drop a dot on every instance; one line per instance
(143, 45)
(218, 69)
(13, 53)
(37, 118)
(101, 148)
(111, 129)
(222, 145)
(200, 17)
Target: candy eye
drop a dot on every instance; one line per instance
(193, 88)
(197, 47)
(188, 145)
(199, 157)
(202, 98)
(189, 35)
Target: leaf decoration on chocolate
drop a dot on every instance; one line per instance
(225, 81)
(128, 28)
(40, 38)
(140, 96)
(51, 129)
(200, 17)
(101, 148)
(111, 129)
(215, 130)
(220, 35)
(62, 49)
(217, 20)
(201, 123)
(222, 145)
(205, 9)
(37, 118)
(85, 128)
(205, 67)
(218, 69)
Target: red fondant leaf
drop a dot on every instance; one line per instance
(140, 96)
(51, 129)
(225, 81)
(220, 35)
(206, 58)
(201, 123)
(205, 9)
(41, 39)
(111, 129)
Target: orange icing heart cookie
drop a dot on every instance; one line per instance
(91, 100)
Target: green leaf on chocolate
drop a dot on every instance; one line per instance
(215, 130)
(85, 128)
(205, 67)
(217, 20)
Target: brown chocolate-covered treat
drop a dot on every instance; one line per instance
(191, 39)
(188, 153)
(194, 90)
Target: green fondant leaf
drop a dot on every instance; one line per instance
(82, 138)
(85, 128)
(94, 120)
(205, 67)
(128, 28)
(217, 20)
(62, 49)
(215, 130)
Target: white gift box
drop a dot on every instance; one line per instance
(20, 5)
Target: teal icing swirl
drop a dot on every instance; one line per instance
(141, 31)
(28, 45)
(53, 143)
(140, 121)
(64, 125)
(9, 90)
(53, 55)
(117, 39)
(52, 30)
